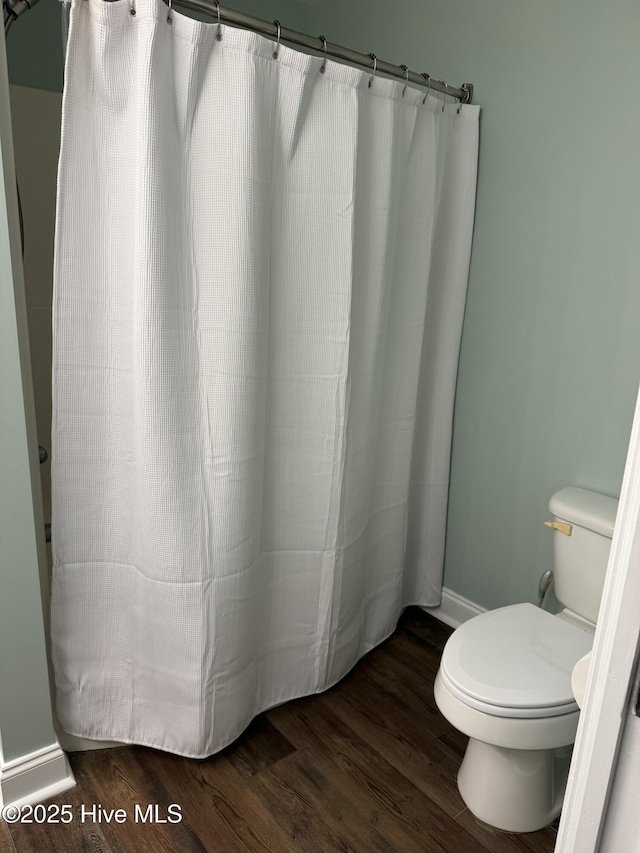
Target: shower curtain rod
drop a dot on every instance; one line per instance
(369, 61)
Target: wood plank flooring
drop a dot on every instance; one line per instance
(369, 766)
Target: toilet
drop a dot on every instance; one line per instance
(505, 676)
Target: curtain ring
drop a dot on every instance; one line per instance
(219, 33)
(406, 78)
(277, 50)
(375, 67)
(132, 8)
(444, 94)
(427, 77)
(169, 21)
(323, 67)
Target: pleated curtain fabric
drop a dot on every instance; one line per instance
(260, 280)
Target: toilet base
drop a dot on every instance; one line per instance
(518, 790)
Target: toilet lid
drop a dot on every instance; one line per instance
(515, 661)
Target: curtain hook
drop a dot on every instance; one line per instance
(406, 78)
(277, 50)
(219, 33)
(169, 21)
(375, 67)
(427, 77)
(323, 67)
(444, 94)
(132, 8)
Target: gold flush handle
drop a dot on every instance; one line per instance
(562, 526)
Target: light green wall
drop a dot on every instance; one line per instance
(34, 46)
(25, 711)
(550, 359)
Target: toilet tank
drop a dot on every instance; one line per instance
(581, 550)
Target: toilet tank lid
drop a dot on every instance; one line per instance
(586, 509)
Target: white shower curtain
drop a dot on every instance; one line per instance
(259, 286)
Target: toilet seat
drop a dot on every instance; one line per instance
(514, 662)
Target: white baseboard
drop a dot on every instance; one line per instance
(35, 777)
(454, 609)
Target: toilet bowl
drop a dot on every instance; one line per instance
(505, 681)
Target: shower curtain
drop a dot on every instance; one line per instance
(260, 278)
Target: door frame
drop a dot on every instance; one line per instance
(611, 681)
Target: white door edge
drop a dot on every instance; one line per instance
(611, 678)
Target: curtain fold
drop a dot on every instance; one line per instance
(260, 277)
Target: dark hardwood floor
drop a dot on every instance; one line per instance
(368, 766)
